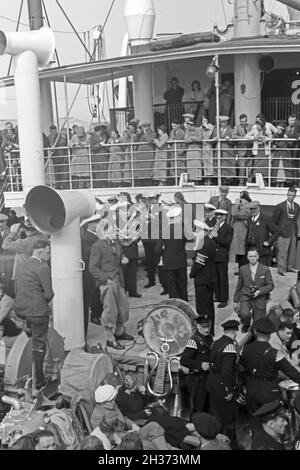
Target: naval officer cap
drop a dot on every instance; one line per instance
(3, 217)
(224, 188)
(264, 325)
(206, 425)
(105, 393)
(221, 212)
(189, 115)
(201, 225)
(231, 325)
(209, 206)
(269, 410)
(223, 118)
(146, 123)
(203, 320)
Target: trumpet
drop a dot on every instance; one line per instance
(214, 231)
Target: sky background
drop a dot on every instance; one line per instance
(172, 16)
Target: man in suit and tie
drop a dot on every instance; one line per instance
(222, 201)
(223, 238)
(285, 215)
(252, 291)
(261, 233)
(244, 154)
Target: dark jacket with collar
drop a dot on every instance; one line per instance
(33, 289)
(204, 268)
(265, 230)
(286, 221)
(223, 242)
(105, 262)
(263, 282)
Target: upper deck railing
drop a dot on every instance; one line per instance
(227, 161)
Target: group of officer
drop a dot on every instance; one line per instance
(223, 376)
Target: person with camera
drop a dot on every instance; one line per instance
(252, 291)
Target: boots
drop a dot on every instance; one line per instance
(38, 360)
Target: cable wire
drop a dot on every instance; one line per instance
(17, 28)
(48, 23)
(104, 24)
(55, 31)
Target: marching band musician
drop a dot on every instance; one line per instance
(171, 247)
(223, 237)
(209, 214)
(125, 213)
(105, 263)
(203, 272)
(196, 357)
(221, 384)
(150, 236)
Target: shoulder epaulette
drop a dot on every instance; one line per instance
(191, 344)
(230, 348)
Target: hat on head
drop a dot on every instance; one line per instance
(263, 325)
(209, 206)
(206, 425)
(146, 123)
(189, 115)
(200, 224)
(203, 319)
(231, 325)
(269, 409)
(112, 199)
(223, 118)
(254, 204)
(224, 188)
(105, 393)
(221, 212)
(191, 123)
(174, 212)
(3, 217)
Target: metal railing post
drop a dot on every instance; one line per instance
(131, 165)
(175, 164)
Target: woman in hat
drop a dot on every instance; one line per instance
(281, 160)
(128, 137)
(193, 139)
(144, 157)
(207, 130)
(161, 156)
(116, 159)
(80, 164)
(228, 169)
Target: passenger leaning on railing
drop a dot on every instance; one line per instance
(244, 153)
(193, 138)
(80, 165)
(128, 137)
(99, 156)
(58, 154)
(144, 157)
(207, 130)
(116, 159)
(177, 133)
(281, 159)
(160, 172)
(260, 134)
(228, 170)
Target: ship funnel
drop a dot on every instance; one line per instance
(58, 213)
(41, 42)
(50, 210)
(140, 18)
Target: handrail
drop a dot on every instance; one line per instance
(130, 165)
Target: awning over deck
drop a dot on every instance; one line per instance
(104, 70)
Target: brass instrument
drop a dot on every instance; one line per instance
(215, 228)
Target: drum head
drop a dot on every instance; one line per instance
(182, 305)
(289, 385)
(170, 325)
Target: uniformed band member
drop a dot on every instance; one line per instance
(274, 425)
(196, 357)
(262, 364)
(223, 238)
(222, 380)
(203, 272)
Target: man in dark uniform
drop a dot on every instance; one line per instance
(203, 272)
(261, 232)
(172, 249)
(150, 235)
(274, 424)
(223, 238)
(222, 383)
(262, 363)
(196, 357)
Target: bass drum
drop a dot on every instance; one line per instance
(167, 324)
(182, 305)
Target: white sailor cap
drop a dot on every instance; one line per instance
(174, 212)
(221, 212)
(200, 224)
(209, 206)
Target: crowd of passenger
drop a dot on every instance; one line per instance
(183, 143)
